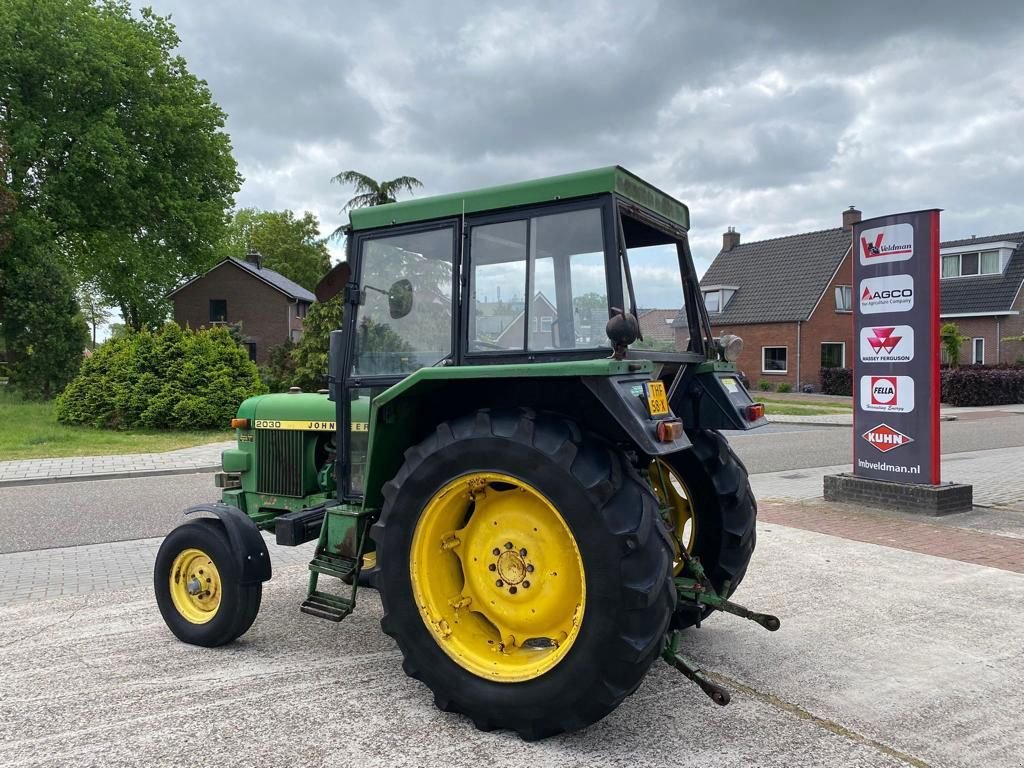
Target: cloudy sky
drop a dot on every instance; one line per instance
(768, 116)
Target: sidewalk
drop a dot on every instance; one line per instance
(182, 461)
(946, 412)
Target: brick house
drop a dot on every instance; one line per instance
(269, 306)
(789, 299)
(982, 291)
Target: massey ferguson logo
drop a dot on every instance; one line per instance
(893, 394)
(885, 438)
(889, 344)
(893, 293)
(882, 244)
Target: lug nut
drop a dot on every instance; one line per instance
(499, 583)
(508, 545)
(523, 551)
(495, 551)
(526, 585)
(511, 590)
(492, 567)
(529, 568)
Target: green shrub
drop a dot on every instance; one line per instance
(784, 387)
(765, 386)
(279, 372)
(169, 379)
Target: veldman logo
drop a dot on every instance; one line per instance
(883, 244)
(885, 438)
(888, 344)
(892, 394)
(892, 293)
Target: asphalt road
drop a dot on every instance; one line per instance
(909, 674)
(99, 511)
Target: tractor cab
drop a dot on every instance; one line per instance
(519, 449)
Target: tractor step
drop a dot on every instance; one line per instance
(334, 565)
(326, 606)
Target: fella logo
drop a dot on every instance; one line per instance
(882, 244)
(889, 344)
(891, 394)
(892, 293)
(885, 438)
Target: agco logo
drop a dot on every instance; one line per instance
(882, 244)
(885, 438)
(889, 344)
(893, 293)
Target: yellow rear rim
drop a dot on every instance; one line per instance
(674, 497)
(195, 586)
(497, 577)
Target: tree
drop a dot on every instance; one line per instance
(95, 310)
(117, 152)
(310, 354)
(370, 192)
(289, 245)
(952, 340)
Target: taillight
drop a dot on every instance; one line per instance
(239, 423)
(755, 411)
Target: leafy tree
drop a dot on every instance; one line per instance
(95, 310)
(289, 245)
(279, 372)
(370, 192)
(117, 152)
(952, 340)
(310, 354)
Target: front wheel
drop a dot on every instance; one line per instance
(525, 573)
(196, 580)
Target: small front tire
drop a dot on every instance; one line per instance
(196, 580)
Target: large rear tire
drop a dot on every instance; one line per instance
(713, 509)
(524, 572)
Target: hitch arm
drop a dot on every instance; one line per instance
(671, 654)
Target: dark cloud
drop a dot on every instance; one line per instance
(771, 117)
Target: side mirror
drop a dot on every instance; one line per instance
(400, 299)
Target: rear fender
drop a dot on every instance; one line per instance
(711, 396)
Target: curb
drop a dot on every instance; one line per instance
(788, 420)
(23, 481)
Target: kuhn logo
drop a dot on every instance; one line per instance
(882, 244)
(893, 293)
(893, 394)
(890, 344)
(885, 438)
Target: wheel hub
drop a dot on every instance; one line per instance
(195, 586)
(511, 567)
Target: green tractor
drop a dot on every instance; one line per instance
(539, 493)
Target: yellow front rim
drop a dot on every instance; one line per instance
(674, 498)
(497, 577)
(195, 586)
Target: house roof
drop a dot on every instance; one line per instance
(655, 324)
(274, 279)
(778, 280)
(984, 293)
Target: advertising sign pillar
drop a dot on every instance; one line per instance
(896, 337)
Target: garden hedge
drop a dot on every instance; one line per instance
(836, 381)
(983, 385)
(168, 379)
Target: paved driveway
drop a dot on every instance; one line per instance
(885, 657)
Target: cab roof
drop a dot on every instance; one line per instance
(571, 185)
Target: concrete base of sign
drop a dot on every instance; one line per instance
(941, 499)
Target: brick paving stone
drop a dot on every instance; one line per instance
(846, 522)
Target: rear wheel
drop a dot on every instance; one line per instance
(524, 572)
(196, 580)
(711, 511)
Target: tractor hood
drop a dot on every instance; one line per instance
(288, 406)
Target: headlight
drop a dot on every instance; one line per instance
(731, 347)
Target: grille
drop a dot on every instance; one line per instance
(279, 460)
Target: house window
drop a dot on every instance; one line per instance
(301, 308)
(833, 354)
(251, 346)
(774, 359)
(218, 310)
(978, 351)
(713, 301)
(844, 298)
(968, 264)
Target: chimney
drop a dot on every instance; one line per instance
(850, 217)
(730, 239)
(254, 258)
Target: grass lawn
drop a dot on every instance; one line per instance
(789, 408)
(30, 431)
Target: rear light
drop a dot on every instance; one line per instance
(755, 411)
(239, 423)
(669, 430)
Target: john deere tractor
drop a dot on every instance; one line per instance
(520, 456)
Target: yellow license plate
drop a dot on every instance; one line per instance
(657, 400)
